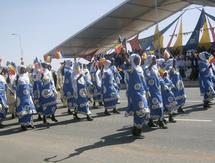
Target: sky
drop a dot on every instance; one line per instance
(44, 24)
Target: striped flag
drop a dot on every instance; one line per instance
(47, 58)
(11, 68)
(57, 55)
(211, 59)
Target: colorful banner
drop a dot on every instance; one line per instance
(179, 40)
(205, 35)
(193, 42)
(47, 58)
(135, 45)
(158, 38)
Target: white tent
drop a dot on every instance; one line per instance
(127, 19)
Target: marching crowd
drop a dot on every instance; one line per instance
(154, 89)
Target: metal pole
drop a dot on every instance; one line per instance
(156, 14)
(20, 44)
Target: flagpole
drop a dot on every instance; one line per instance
(156, 14)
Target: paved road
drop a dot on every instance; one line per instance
(108, 139)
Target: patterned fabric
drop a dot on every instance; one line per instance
(205, 78)
(97, 90)
(68, 89)
(179, 91)
(47, 98)
(25, 106)
(169, 100)
(3, 99)
(137, 102)
(109, 91)
(36, 93)
(155, 100)
(81, 99)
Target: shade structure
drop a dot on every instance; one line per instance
(127, 19)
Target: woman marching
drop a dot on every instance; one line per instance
(96, 80)
(153, 80)
(169, 100)
(67, 86)
(175, 77)
(47, 97)
(24, 104)
(205, 79)
(3, 100)
(110, 95)
(80, 93)
(137, 93)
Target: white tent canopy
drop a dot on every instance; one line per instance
(127, 19)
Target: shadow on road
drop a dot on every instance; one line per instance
(10, 131)
(123, 137)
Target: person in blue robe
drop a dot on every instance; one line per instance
(80, 94)
(110, 95)
(205, 78)
(67, 87)
(24, 104)
(179, 90)
(47, 99)
(96, 80)
(169, 64)
(168, 96)
(117, 79)
(36, 75)
(3, 100)
(153, 80)
(137, 92)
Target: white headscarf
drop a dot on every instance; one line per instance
(138, 68)
(68, 64)
(107, 64)
(149, 60)
(202, 56)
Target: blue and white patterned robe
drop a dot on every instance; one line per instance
(153, 81)
(136, 93)
(3, 98)
(47, 97)
(110, 94)
(25, 106)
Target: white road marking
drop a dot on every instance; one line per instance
(188, 101)
(193, 120)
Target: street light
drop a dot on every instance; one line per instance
(20, 44)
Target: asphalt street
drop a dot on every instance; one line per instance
(108, 138)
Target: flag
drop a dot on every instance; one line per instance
(135, 45)
(178, 42)
(205, 35)
(11, 68)
(158, 38)
(211, 59)
(38, 65)
(57, 55)
(211, 29)
(166, 54)
(118, 48)
(47, 58)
